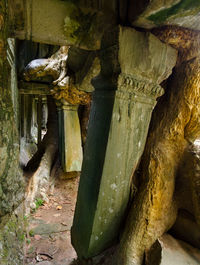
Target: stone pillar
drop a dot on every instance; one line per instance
(116, 136)
(39, 120)
(34, 120)
(70, 146)
(26, 117)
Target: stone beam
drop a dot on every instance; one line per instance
(33, 88)
(60, 22)
(43, 20)
(120, 116)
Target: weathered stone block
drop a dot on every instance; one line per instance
(169, 251)
(70, 146)
(11, 181)
(184, 13)
(38, 16)
(57, 22)
(12, 238)
(115, 143)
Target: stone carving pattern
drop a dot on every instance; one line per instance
(130, 84)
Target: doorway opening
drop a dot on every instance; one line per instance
(51, 188)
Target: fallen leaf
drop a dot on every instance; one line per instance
(38, 215)
(43, 256)
(37, 237)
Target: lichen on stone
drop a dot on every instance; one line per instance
(67, 91)
(176, 10)
(12, 238)
(63, 87)
(83, 27)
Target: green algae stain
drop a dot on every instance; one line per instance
(184, 5)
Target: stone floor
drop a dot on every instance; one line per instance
(48, 237)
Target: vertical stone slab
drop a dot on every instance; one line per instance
(26, 106)
(28, 117)
(101, 205)
(95, 149)
(129, 126)
(39, 120)
(34, 119)
(70, 145)
(60, 130)
(11, 180)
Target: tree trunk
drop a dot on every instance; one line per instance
(175, 123)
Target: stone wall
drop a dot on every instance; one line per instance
(11, 181)
(12, 238)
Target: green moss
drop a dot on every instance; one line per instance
(12, 237)
(83, 27)
(39, 202)
(182, 6)
(77, 25)
(28, 241)
(31, 233)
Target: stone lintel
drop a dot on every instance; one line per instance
(34, 92)
(43, 21)
(62, 23)
(33, 88)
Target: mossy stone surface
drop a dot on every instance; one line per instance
(11, 181)
(12, 238)
(178, 9)
(185, 13)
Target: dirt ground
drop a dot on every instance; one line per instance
(48, 235)
(48, 240)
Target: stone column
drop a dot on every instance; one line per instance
(39, 120)
(34, 119)
(26, 117)
(116, 137)
(70, 146)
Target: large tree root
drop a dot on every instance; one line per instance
(176, 123)
(39, 167)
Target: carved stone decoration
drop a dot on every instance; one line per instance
(115, 143)
(67, 91)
